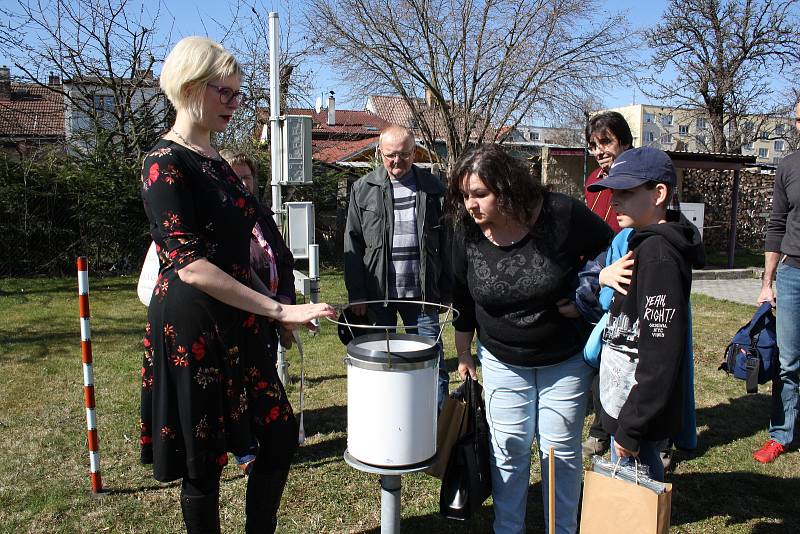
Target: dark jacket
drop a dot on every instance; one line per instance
(283, 256)
(641, 387)
(369, 231)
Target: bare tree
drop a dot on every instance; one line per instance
(726, 54)
(104, 52)
(249, 42)
(484, 65)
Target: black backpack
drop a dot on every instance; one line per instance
(752, 355)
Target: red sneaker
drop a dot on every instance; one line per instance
(771, 450)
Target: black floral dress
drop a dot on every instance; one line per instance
(209, 383)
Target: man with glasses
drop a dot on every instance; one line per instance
(396, 245)
(782, 265)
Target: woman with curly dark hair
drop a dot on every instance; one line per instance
(515, 259)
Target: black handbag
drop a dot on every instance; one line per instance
(467, 481)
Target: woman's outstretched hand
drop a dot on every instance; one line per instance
(618, 274)
(293, 316)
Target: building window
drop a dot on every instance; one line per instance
(779, 129)
(683, 129)
(666, 138)
(534, 136)
(649, 137)
(701, 140)
(666, 120)
(778, 146)
(649, 118)
(748, 146)
(763, 153)
(764, 135)
(103, 103)
(701, 124)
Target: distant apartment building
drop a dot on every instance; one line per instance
(545, 136)
(689, 130)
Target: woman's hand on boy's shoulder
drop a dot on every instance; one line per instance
(618, 274)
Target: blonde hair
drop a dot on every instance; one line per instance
(189, 67)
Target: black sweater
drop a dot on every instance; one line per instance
(508, 294)
(641, 388)
(783, 230)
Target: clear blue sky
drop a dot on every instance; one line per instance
(193, 11)
(193, 17)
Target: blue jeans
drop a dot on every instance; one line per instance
(784, 386)
(427, 324)
(649, 455)
(548, 403)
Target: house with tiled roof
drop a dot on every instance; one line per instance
(90, 100)
(67, 112)
(395, 109)
(31, 115)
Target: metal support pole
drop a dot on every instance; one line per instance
(585, 152)
(275, 148)
(390, 504)
(734, 217)
(275, 113)
(313, 274)
(282, 365)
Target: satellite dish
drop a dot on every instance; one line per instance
(318, 104)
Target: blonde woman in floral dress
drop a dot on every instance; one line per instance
(209, 383)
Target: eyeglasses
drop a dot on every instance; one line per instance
(399, 155)
(228, 95)
(601, 144)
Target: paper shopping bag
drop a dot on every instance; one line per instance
(615, 505)
(451, 425)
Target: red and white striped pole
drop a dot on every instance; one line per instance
(88, 375)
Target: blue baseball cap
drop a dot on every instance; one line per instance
(636, 166)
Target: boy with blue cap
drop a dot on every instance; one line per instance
(644, 385)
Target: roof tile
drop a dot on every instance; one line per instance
(32, 111)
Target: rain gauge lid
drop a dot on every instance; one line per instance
(404, 348)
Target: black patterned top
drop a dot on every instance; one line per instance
(508, 294)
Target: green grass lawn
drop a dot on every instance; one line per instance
(742, 259)
(44, 481)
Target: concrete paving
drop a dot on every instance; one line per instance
(743, 290)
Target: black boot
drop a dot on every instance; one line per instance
(201, 513)
(264, 490)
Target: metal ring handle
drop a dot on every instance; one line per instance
(442, 307)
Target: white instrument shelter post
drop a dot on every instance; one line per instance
(290, 150)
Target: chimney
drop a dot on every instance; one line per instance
(429, 97)
(5, 83)
(331, 110)
(53, 79)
